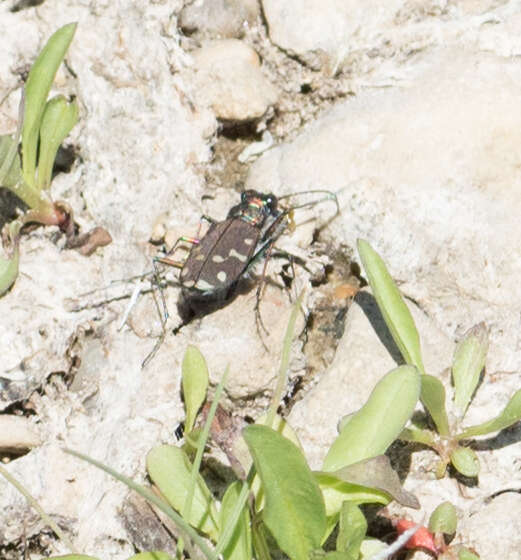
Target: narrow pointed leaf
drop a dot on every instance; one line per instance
(379, 422)
(469, 360)
(58, 119)
(195, 384)
(37, 89)
(465, 461)
(239, 546)
(510, 415)
(294, 510)
(170, 470)
(433, 398)
(395, 312)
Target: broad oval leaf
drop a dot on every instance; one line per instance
(444, 519)
(194, 383)
(465, 461)
(466, 554)
(294, 510)
(58, 118)
(379, 422)
(469, 360)
(511, 414)
(37, 89)
(433, 399)
(170, 470)
(395, 312)
(239, 547)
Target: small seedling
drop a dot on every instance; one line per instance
(281, 505)
(449, 435)
(42, 125)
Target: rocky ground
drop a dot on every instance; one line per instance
(409, 111)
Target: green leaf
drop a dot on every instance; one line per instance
(170, 470)
(433, 398)
(377, 473)
(444, 519)
(194, 383)
(379, 422)
(469, 360)
(294, 511)
(151, 556)
(395, 312)
(465, 461)
(9, 266)
(37, 89)
(510, 415)
(466, 554)
(58, 118)
(239, 546)
(415, 435)
(352, 530)
(336, 492)
(10, 169)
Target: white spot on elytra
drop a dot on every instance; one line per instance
(217, 259)
(233, 253)
(203, 285)
(221, 276)
(248, 241)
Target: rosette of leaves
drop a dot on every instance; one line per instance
(43, 124)
(449, 434)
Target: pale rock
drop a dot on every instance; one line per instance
(322, 33)
(218, 18)
(427, 174)
(228, 78)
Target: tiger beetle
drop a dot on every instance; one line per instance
(225, 254)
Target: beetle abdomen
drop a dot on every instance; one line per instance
(220, 259)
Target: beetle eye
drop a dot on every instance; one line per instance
(271, 202)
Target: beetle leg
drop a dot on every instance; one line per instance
(266, 251)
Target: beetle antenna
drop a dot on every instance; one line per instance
(329, 195)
